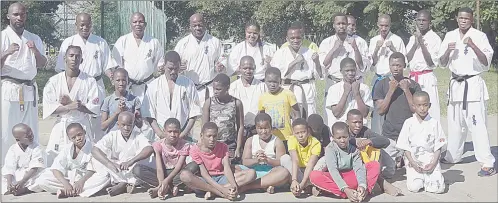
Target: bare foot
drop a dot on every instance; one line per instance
(175, 190)
(21, 191)
(153, 192)
(315, 191)
(120, 188)
(130, 188)
(60, 194)
(270, 190)
(390, 189)
(208, 196)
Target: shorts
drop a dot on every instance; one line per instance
(220, 179)
(261, 170)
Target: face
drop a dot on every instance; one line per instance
(138, 24)
(247, 69)
(464, 20)
(396, 65)
(422, 105)
(423, 22)
(351, 26)
(316, 128)
(120, 81)
(355, 123)
(349, 72)
(493, 26)
(197, 27)
(126, 124)
(24, 136)
(341, 138)
(172, 69)
(17, 16)
(209, 137)
(77, 136)
(263, 128)
(73, 59)
(301, 132)
(384, 25)
(273, 83)
(252, 34)
(340, 24)
(84, 26)
(219, 89)
(172, 133)
(295, 38)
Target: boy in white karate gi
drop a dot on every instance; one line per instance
(422, 138)
(24, 163)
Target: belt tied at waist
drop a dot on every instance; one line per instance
(97, 78)
(21, 92)
(415, 74)
(134, 82)
(459, 78)
(299, 83)
(201, 86)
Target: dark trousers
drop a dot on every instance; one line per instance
(149, 175)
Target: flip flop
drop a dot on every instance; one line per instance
(485, 173)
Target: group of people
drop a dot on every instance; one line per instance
(261, 131)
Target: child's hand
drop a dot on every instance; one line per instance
(295, 188)
(361, 193)
(415, 165)
(430, 167)
(351, 194)
(233, 192)
(78, 187)
(68, 190)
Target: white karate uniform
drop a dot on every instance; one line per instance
(382, 69)
(73, 170)
(96, 58)
(422, 139)
(334, 96)
(19, 162)
(141, 61)
(20, 65)
(463, 61)
(427, 81)
(201, 60)
(258, 53)
(281, 60)
(85, 89)
(249, 97)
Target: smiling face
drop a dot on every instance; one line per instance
(295, 38)
(84, 25)
(197, 26)
(138, 24)
(247, 69)
(252, 34)
(351, 26)
(263, 128)
(384, 25)
(23, 136)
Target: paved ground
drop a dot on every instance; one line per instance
(463, 183)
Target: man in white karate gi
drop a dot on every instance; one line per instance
(22, 53)
(423, 53)
(467, 53)
(172, 96)
(201, 55)
(71, 96)
(96, 59)
(140, 54)
(380, 49)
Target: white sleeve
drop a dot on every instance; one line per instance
(61, 163)
(50, 97)
(483, 44)
(333, 96)
(38, 158)
(367, 98)
(194, 103)
(434, 51)
(403, 142)
(93, 103)
(363, 47)
(39, 46)
(118, 52)
(149, 105)
(323, 51)
(440, 140)
(10, 162)
(442, 49)
(105, 144)
(107, 61)
(159, 58)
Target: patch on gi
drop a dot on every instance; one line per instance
(197, 102)
(95, 101)
(96, 56)
(40, 160)
(83, 166)
(206, 49)
(466, 50)
(149, 54)
(474, 122)
(184, 97)
(441, 140)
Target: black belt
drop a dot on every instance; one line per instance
(333, 78)
(97, 78)
(297, 82)
(459, 78)
(134, 82)
(24, 82)
(202, 86)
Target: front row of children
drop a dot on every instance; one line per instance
(121, 160)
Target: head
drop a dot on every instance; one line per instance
(421, 103)
(23, 134)
(384, 25)
(172, 129)
(299, 25)
(295, 37)
(126, 123)
(17, 16)
(424, 20)
(76, 134)
(315, 121)
(209, 135)
(263, 126)
(493, 25)
(351, 24)
(273, 79)
(84, 25)
(197, 25)
(252, 32)
(348, 69)
(340, 134)
(221, 84)
(73, 57)
(355, 121)
(120, 79)
(465, 18)
(138, 24)
(172, 62)
(301, 131)
(397, 64)
(340, 23)
(247, 67)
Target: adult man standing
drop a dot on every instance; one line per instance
(201, 56)
(423, 49)
(362, 46)
(96, 58)
(22, 53)
(380, 49)
(306, 43)
(467, 53)
(138, 53)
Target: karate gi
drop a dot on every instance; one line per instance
(422, 73)
(422, 139)
(382, 69)
(470, 113)
(85, 89)
(73, 170)
(334, 96)
(19, 162)
(249, 96)
(258, 53)
(141, 61)
(304, 89)
(201, 58)
(21, 65)
(118, 151)
(96, 58)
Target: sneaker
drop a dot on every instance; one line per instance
(486, 172)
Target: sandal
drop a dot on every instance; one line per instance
(486, 172)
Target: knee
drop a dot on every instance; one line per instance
(315, 175)
(415, 185)
(186, 176)
(281, 171)
(250, 174)
(192, 167)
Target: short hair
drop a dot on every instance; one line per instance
(426, 12)
(300, 121)
(172, 56)
(386, 16)
(73, 47)
(339, 14)
(346, 61)
(262, 117)
(73, 125)
(421, 94)
(397, 55)
(209, 126)
(223, 79)
(350, 16)
(354, 112)
(466, 10)
(119, 70)
(173, 121)
(315, 119)
(339, 126)
(274, 71)
(253, 23)
(297, 25)
(244, 58)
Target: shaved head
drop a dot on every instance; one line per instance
(20, 127)
(384, 17)
(84, 25)
(138, 25)
(17, 17)
(137, 15)
(16, 5)
(126, 123)
(126, 116)
(197, 26)
(83, 16)
(246, 59)
(196, 17)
